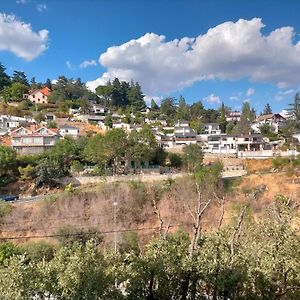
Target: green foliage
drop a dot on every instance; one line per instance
(129, 243)
(52, 124)
(68, 235)
(280, 162)
(267, 109)
(4, 78)
(5, 209)
(76, 166)
(38, 251)
(7, 250)
(8, 161)
(27, 172)
(14, 92)
(175, 160)
(192, 157)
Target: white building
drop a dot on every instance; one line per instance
(276, 121)
(233, 116)
(66, 130)
(212, 128)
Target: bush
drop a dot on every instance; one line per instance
(38, 251)
(175, 160)
(76, 166)
(5, 209)
(27, 172)
(280, 162)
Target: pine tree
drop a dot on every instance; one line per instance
(294, 110)
(267, 109)
(4, 78)
(222, 118)
(153, 105)
(19, 76)
(135, 96)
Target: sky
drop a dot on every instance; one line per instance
(215, 51)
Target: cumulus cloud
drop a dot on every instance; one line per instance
(250, 92)
(19, 38)
(88, 63)
(212, 99)
(229, 51)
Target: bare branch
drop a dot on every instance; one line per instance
(222, 202)
(157, 212)
(237, 232)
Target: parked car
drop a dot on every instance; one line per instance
(9, 197)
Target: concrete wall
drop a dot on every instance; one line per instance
(109, 179)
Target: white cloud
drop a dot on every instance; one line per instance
(155, 98)
(18, 37)
(212, 99)
(70, 66)
(250, 92)
(88, 63)
(41, 7)
(281, 95)
(22, 1)
(229, 51)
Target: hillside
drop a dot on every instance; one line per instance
(92, 208)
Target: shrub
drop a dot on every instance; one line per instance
(27, 172)
(175, 160)
(5, 209)
(280, 162)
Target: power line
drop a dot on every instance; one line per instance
(79, 234)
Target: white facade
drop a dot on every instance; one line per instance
(212, 128)
(276, 121)
(69, 131)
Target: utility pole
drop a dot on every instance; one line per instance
(115, 235)
(115, 226)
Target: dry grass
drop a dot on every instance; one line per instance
(93, 208)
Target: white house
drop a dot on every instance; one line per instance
(276, 121)
(33, 140)
(224, 143)
(66, 130)
(212, 128)
(183, 134)
(233, 116)
(120, 125)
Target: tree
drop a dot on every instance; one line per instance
(48, 84)
(267, 109)
(4, 78)
(142, 145)
(183, 111)
(8, 161)
(222, 118)
(135, 97)
(192, 157)
(167, 107)
(153, 105)
(197, 110)
(20, 77)
(108, 122)
(105, 93)
(294, 110)
(15, 92)
(247, 116)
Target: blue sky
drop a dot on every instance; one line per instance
(255, 59)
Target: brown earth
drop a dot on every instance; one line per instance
(93, 207)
